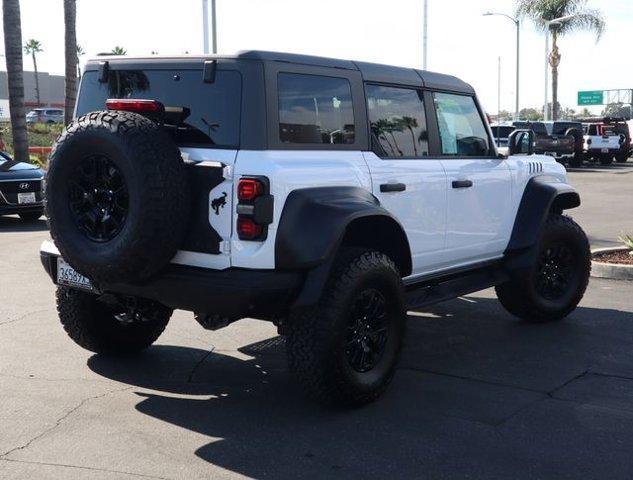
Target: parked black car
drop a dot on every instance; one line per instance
(21, 189)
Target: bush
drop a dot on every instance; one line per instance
(627, 240)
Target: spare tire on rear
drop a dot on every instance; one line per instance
(117, 196)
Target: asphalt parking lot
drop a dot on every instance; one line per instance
(478, 394)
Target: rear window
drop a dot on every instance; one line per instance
(213, 118)
(560, 128)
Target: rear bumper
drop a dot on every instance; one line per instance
(233, 292)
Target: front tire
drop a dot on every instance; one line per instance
(344, 351)
(93, 324)
(552, 287)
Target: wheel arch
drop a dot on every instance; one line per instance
(542, 195)
(316, 222)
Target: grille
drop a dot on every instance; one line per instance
(17, 186)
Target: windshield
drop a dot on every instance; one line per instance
(213, 118)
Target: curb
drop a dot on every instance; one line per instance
(610, 270)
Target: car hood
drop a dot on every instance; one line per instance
(10, 169)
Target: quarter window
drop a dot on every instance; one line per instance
(315, 109)
(397, 121)
(462, 130)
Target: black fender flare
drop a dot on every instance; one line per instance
(312, 226)
(542, 196)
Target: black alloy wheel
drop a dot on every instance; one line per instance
(98, 198)
(555, 272)
(367, 330)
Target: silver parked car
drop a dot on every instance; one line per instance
(45, 115)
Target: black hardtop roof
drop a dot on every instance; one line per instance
(371, 72)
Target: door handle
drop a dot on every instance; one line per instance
(393, 187)
(462, 183)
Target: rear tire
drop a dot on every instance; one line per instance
(606, 161)
(344, 351)
(622, 157)
(552, 287)
(92, 324)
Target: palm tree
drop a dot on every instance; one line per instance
(118, 51)
(582, 18)
(410, 123)
(70, 54)
(80, 53)
(31, 47)
(15, 78)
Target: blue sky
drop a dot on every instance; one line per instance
(461, 41)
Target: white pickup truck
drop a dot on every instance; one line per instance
(602, 142)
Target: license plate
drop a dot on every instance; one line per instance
(605, 150)
(67, 275)
(28, 197)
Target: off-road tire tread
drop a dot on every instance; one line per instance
(310, 332)
(89, 325)
(511, 295)
(165, 195)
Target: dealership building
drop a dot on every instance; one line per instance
(51, 92)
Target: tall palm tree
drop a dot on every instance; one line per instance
(541, 11)
(31, 47)
(80, 53)
(410, 123)
(70, 54)
(118, 51)
(15, 79)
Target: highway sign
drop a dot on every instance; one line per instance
(594, 97)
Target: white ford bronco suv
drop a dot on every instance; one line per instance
(323, 195)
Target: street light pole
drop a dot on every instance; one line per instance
(518, 63)
(214, 37)
(205, 27)
(425, 27)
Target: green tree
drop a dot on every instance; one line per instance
(531, 114)
(118, 51)
(71, 59)
(583, 18)
(617, 110)
(32, 47)
(15, 79)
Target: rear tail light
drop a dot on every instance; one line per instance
(249, 189)
(135, 105)
(589, 141)
(247, 229)
(254, 208)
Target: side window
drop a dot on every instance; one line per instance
(315, 109)
(462, 130)
(397, 121)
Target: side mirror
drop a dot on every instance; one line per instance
(521, 142)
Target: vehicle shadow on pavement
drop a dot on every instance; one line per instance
(474, 390)
(16, 224)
